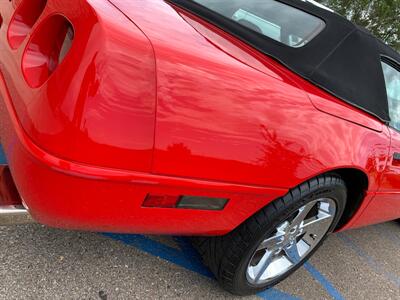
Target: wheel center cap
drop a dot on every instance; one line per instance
(291, 235)
(292, 232)
(289, 239)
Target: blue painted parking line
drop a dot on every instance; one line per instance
(185, 257)
(274, 294)
(372, 263)
(3, 159)
(165, 252)
(188, 258)
(323, 281)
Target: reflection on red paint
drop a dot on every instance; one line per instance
(157, 101)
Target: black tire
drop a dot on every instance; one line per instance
(228, 256)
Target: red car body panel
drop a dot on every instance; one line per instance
(75, 100)
(153, 100)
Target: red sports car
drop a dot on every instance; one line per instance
(261, 125)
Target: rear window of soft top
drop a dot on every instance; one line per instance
(273, 19)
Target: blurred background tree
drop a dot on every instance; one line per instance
(381, 17)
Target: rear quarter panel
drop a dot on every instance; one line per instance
(227, 113)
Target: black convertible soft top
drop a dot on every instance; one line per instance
(344, 59)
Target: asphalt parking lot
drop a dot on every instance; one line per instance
(44, 263)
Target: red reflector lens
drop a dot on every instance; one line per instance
(162, 201)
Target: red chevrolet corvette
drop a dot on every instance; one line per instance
(261, 125)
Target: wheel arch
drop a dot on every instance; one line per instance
(357, 183)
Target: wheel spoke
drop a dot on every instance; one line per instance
(262, 266)
(292, 253)
(302, 214)
(318, 227)
(272, 243)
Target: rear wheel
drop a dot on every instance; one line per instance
(277, 240)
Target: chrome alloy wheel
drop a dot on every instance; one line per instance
(292, 240)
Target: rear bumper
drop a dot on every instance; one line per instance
(71, 195)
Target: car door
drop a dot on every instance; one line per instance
(388, 197)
